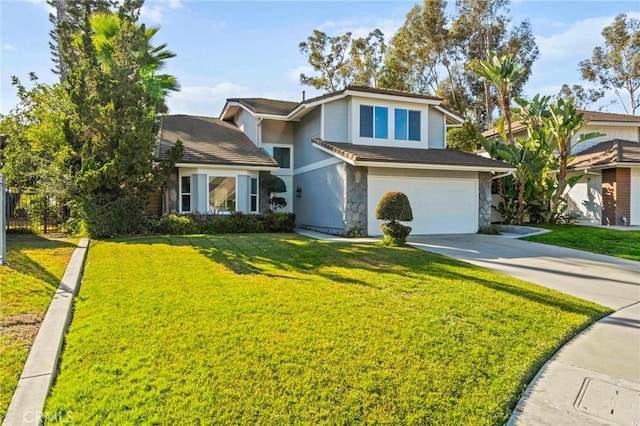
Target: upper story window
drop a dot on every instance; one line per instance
(281, 154)
(407, 124)
(374, 122)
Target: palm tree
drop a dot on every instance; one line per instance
(152, 58)
(503, 72)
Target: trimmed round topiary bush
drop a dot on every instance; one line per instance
(394, 207)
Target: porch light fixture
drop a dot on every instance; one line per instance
(298, 192)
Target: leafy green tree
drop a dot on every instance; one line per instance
(37, 156)
(463, 138)
(70, 13)
(112, 127)
(616, 64)
(418, 50)
(342, 60)
(503, 72)
(483, 25)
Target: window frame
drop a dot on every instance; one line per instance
(374, 120)
(252, 195)
(408, 124)
(182, 193)
(283, 171)
(235, 191)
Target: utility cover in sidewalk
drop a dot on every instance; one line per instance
(613, 403)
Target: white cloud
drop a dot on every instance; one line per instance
(7, 46)
(204, 100)
(42, 4)
(362, 27)
(576, 41)
(153, 14)
(294, 74)
(174, 4)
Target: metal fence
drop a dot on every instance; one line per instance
(35, 212)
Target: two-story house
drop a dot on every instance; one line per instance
(608, 168)
(337, 154)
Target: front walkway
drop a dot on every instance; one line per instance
(595, 378)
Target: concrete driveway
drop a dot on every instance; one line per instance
(606, 280)
(595, 378)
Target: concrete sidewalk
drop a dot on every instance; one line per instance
(595, 378)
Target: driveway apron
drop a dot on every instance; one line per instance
(595, 378)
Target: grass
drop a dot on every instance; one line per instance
(625, 244)
(281, 329)
(36, 265)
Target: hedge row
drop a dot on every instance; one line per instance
(235, 223)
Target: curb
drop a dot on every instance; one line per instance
(40, 370)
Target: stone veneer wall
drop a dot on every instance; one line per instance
(484, 200)
(355, 212)
(171, 193)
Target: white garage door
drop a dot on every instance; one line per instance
(440, 206)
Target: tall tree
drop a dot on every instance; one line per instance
(342, 60)
(583, 98)
(503, 72)
(483, 25)
(38, 156)
(70, 12)
(105, 26)
(418, 50)
(113, 125)
(616, 64)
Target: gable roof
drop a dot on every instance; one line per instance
(266, 106)
(383, 156)
(211, 141)
(592, 116)
(292, 110)
(610, 153)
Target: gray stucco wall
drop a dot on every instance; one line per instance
(436, 129)
(336, 115)
(322, 204)
(274, 131)
(308, 128)
(248, 123)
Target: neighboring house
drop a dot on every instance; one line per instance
(608, 191)
(338, 154)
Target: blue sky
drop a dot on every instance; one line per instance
(235, 48)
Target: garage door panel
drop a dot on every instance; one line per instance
(440, 206)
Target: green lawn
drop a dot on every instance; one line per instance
(624, 244)
(36, 265)
(281, 329)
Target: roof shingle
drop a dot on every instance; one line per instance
(212, 141)
(384, 154)
(266, 106)
(611, 152)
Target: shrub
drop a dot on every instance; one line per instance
(235, 223)
(394, 206)
(395, 234)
